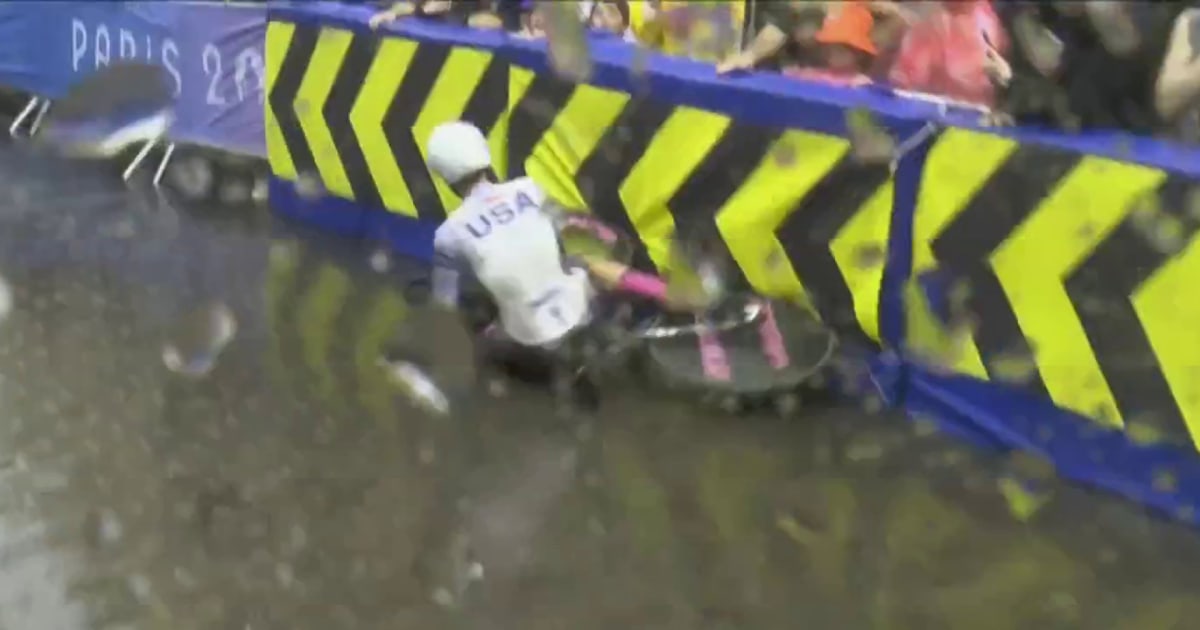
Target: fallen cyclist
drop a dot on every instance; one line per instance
(505, 237)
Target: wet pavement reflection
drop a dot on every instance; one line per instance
(291, 487)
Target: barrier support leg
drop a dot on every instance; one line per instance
(162, 164)
(138, 159)
(37, 120)
(16, 123)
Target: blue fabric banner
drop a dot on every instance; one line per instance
(212, 52)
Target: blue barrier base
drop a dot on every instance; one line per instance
(405, 235)
(1162, 477)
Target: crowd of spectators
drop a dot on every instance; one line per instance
(1073, 65)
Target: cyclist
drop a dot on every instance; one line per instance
(506, 237)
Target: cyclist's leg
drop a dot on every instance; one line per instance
(614, 276)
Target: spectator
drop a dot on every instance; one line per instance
(534, 19)
(1099, 65)
(786, 36)
(847, 49)
(611, 16)
(476, 13)
(701, 30)
(1177, 87)
(955, 50)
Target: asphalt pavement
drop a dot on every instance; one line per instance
(292, 486)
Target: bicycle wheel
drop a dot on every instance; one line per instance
(766, 348)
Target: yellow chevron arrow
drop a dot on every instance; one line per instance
(366, 118)
(447, 98)
(860, 249)
(749, 219)
(576, 131)
(1168, 306)
(322, 70)
(675, 151)
(1035, 261)
(959, 164)
(279, 37)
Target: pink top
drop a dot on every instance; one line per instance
(944, 53)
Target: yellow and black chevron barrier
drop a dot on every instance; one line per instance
(357, 108)
(796, 226)
(1085, 265)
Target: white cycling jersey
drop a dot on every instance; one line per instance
(504, 237)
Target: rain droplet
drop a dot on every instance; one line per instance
(1014, 366)
(380, 261)
(443, 597)
(784, 154)
(567, 41)
(6, 300)
(475, 571)
(259, 192)
(309, 186)
(641, 61)
(102, 527)
(1168, 235)
(1165, 481)
(870, 255)
(285, 575)
(419, 387)
(298, 538)
(199, 339)
(139, 585)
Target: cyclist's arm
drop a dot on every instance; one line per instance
(447, 270)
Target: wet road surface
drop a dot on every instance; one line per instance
(293, 488)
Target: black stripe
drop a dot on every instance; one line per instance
(490, 97)
(694, 207)
(811, 226)
(346, 86)
(423, 71)
(1011, 195)
(533, 116)
(1102, 288)
(283, 96)
(998, 335)
(600, 176)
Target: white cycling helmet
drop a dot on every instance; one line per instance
(456, 150)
